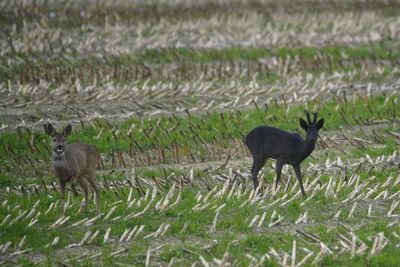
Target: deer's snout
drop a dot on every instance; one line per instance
(59, 148)
(312, 139)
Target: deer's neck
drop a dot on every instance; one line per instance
(58, 161)
(308, 148)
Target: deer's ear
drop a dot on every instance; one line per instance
(303, 124)
(49, 129)
(320, 123)
(67, 130)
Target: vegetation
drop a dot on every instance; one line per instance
(166, 97)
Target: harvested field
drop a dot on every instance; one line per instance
(166, 91)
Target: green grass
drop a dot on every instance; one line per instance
(25, 150)
(232, 232)
(127, 67)
(370, 51)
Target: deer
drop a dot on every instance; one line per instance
(74, 163)
(266, 142)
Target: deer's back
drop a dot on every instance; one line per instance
(81, 156)
(272, 142)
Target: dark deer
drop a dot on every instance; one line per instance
(287, 148)
(74, 163)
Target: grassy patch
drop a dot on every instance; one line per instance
(193, 137)
(190, 63)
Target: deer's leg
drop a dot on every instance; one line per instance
(62, 193)
(73, 180)
(97, 189)
(258, 163)
(278, 171)
(298, 174)
(73, 189)
(85, 187)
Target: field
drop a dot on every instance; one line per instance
(166, 91)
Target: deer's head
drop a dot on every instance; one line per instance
(311, 127)
(58, 137)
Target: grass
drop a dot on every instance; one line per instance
(163, 56)
(127, 67)
(233, 239)
(195, 134)
(232, 230)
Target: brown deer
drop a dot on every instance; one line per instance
(75, 163)
(287, 148)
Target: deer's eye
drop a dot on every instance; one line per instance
(63, 140)
(54, 139)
